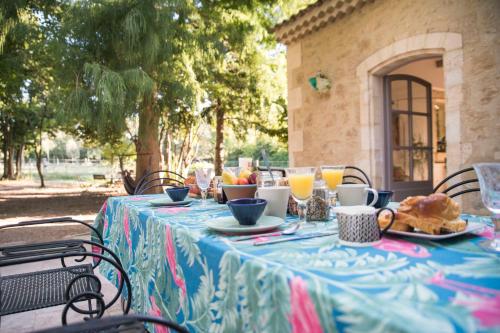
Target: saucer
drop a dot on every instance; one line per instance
(169, 202)
(228, 224)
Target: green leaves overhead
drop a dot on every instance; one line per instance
(97, 66)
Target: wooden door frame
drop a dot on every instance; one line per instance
(412, 187)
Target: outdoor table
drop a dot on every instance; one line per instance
(208, 283)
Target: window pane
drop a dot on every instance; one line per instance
(399, 95)
(420, 132)
(401, 165)
(420, 165)
(419, 97)
(400, 130)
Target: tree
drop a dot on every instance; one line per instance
(122, 150)
(122, 56)
(26, 73)
(239, 79)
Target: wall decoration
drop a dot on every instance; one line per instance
(320, 82)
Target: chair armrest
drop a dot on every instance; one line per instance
(37, 249)
(54, 220)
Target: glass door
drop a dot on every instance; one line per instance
(408, 135)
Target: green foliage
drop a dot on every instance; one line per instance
(122, 150)
(27, 91)
(129, 53)
(278, 155)
(91, 68)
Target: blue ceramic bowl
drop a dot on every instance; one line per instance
(177, 193)
(383, 198)
(247, 211)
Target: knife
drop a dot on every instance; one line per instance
(293, 238)
(268, 234)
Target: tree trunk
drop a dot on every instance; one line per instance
(5, 151)
(39, 168)
(19, 160)
(38, 154)
(148, 147)
(219, 138)
(10, 163)
(120, 161)
(167, 153)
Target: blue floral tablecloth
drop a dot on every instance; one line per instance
(206, 282)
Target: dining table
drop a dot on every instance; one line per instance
(209, 282)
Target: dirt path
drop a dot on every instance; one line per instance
(23, 200)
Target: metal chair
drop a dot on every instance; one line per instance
(457, 183)
(158, 178)
(352, 178)
(69, 284)
(116, 324)
(128, 182)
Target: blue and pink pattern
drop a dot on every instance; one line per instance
(202, 280)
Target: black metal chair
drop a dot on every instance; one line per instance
(116, 324)
(160, 178)
(355, 176)
(454, 183)
(128, 182)
(69, 284)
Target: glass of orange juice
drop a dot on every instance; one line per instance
(301, 182)
(332, 175)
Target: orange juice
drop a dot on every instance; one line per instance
(332, 177)
(301, 185)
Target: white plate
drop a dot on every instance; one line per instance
(470, 227)
(168, 202)
(229, 224)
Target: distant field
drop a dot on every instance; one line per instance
(70, 171)
(83, 171)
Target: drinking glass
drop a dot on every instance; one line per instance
(301, 181)
(265, 179)
(203, 178)
(332, 175)
(488, 175)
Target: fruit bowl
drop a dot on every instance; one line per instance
(239, 191)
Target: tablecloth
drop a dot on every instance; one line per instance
(208, 283)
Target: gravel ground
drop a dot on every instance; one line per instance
(25, 200)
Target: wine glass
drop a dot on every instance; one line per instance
(203, 178)
(332, 175)
(488, 175)
(301, 181)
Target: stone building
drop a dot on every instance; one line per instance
(414, 87)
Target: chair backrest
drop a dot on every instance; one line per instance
(128, 182)
(156, 176)
(454, 185)
(354, 175)
(128, 323)
(157, 182)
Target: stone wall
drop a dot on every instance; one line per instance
(325, 128)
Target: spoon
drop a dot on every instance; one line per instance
(288, 231)
(266, 162)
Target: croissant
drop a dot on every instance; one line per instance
(431, 214)
(399, 225)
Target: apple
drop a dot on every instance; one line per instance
(242, 181)
(252, 179)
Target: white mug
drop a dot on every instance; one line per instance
(277, 199)
(355, 194)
